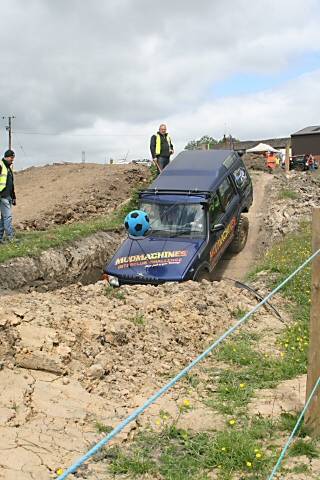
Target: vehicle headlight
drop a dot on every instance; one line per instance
(114, 281)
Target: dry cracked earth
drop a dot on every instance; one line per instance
(81, 356)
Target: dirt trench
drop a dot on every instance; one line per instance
(81, 261)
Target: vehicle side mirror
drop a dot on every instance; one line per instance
(218, 227)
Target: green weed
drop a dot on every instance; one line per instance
(101, 428)
(285, 193)
(138, 319)
(112, 292)
(302, 447)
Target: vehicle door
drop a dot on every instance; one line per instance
(223, 216)
(243, 185)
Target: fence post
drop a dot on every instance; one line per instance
(287, 158)
(313, 414)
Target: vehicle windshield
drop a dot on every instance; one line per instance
(174, 220)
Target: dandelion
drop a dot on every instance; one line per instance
(242, 385)
(158, 421)
(186, 403)
(256, 450)
(232, 421)
(223, 449)
(59, 471)
(249, 464)
(258, 455)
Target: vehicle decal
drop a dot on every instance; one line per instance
(226, 234)
(171, 257)
(240, 177)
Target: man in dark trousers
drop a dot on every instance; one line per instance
(7, 196)
(161, 147)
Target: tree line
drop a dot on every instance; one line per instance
(210, 142)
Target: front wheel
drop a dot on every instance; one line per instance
(240, 236)
(202, 274)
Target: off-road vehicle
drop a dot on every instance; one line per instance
(197, 208)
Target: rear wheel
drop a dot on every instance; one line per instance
(240, 236)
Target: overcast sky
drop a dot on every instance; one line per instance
(100, 76)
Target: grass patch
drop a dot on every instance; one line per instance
(33, 243)
(286, 193)
(237, 385)
(284, 258)
(303, 447)
(288, 421)
(178, 454)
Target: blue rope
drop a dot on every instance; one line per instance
(287, 445)
(183, 372)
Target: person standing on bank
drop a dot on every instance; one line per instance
(161, 147)
(7, 196)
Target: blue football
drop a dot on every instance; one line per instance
(137, 223)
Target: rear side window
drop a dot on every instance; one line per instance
(241, 178)
(226, 192)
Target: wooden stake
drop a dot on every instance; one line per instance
(287, 158)
(313, 413)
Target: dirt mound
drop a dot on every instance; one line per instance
(255, 162)
(83, 355)
(64, 193)
(290, 201)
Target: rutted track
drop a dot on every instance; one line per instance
(237, 266)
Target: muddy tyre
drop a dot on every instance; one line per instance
(202, 274)
(241, 235)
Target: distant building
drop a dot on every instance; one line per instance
(306, 140)
(277, 143)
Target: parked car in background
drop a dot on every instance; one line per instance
(300, 163)
(144, 161)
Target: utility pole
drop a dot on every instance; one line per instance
(9, 129)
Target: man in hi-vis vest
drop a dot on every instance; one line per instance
(7, 196)
(161, 147)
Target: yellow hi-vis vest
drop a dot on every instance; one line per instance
(158, 143)
(3, 176)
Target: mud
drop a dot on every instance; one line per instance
(81, 261)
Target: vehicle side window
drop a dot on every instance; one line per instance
(241, 178)
(215, 210)
(226, 192)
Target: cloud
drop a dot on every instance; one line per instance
(120, 66)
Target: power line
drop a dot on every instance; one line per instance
(82, 135)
